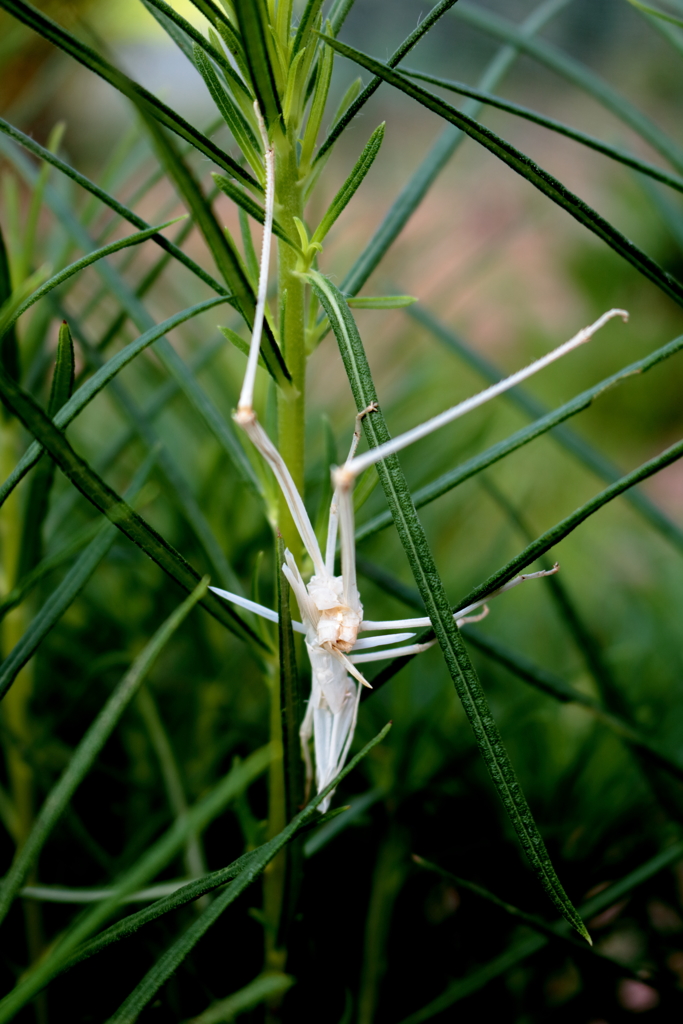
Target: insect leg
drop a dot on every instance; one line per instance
(333, 523)
(356, 466)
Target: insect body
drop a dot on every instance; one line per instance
(330, 606)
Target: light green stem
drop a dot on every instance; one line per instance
(291, 292)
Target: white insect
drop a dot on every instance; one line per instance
(330, 605)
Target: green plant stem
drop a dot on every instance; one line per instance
(291, 410)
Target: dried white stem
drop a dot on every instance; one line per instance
(356, 466)
(247, 394)
(333, 522)
(251, 426)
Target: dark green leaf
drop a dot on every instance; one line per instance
(65, 371)
(37, 500)
(436, 604)
(231, 114)
(184, 34)
(524, 948)
(111, 202)
(308, 20)
(397, 56)
(613, 152)
(9, 349)
(63, 596)
(252, 17)
(108, 501)
(149, 865)
(350, 186)
(181, 897)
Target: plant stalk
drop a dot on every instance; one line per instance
(291, 299)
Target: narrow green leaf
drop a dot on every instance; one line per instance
(433, 594)
(265, 988)
(526, 168)
(239, 343)
(30, 551)
(233, 117)
(222, 24)
(64, 595)
(172, 26)
(108, 501)
(397, 56)
(531, 920)
(250, 257)
(181, 897)
(218, 424)
(546, 421)
(613, 152)
(26, 583)
(74, 268)
(556, 687)
(9, 349)
(657, 13)
(350, 186)
(380, 301)
(174, 956)
(308, 20)
(148, 866)
(96, 383)
(145, 100)
(441, 152)
(252, 17)
(87, 750)
(250, 206)
(185, 34)
(65, 372)
(577, 73)
(317, 109)
(555, 534)
(181, 490)
(123, 211)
